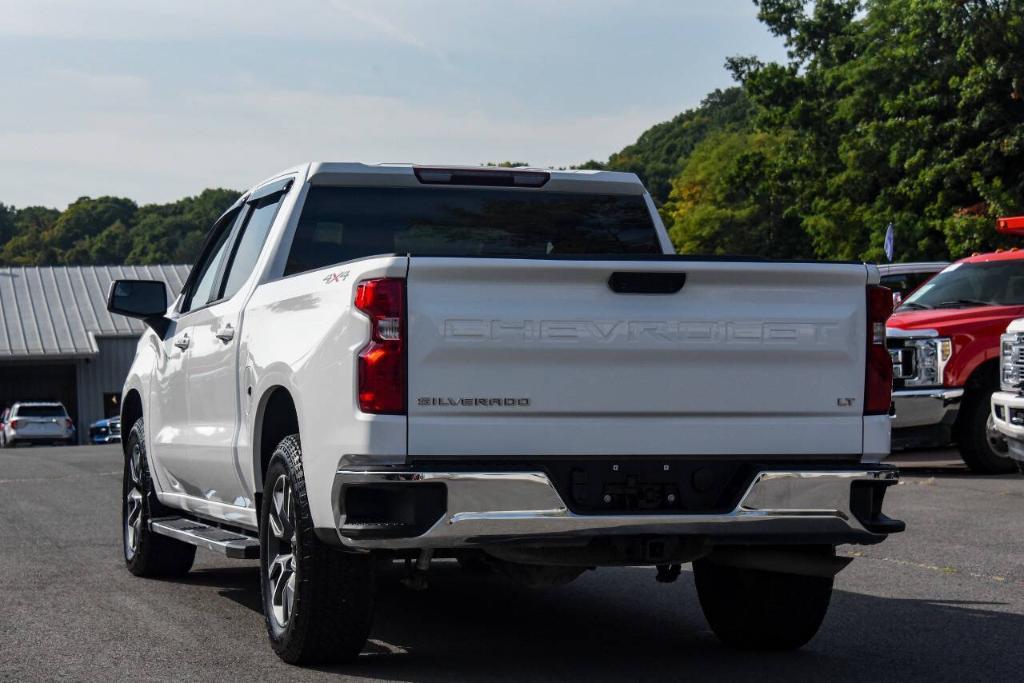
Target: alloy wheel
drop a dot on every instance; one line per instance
(281, 551)
(133, 503)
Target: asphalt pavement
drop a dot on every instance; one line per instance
(943, 601)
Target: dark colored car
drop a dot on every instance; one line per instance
(904, 278)
(106, 431)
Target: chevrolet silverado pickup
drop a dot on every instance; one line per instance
(509, 368)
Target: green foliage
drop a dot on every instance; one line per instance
(8, 215)
(661, 152)
(110, 230)
(907, 111)
(733, 197)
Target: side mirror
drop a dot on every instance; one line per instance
(142, 299)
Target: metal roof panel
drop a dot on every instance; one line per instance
(58, 311)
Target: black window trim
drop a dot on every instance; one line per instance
(257, 201)
(267, 194)
(224, 266)
(208, 245)
(276, 187)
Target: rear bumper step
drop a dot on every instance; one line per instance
(486, 508)
(231, 544)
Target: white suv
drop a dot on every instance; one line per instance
(37, 422)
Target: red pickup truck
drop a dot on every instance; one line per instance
(944, 343)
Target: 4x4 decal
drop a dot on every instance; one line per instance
(340, 276)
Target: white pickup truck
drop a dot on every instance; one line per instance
(1006, 421)
(509, 367)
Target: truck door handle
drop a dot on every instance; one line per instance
(226, 333)
(182, 342)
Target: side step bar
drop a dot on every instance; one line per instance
(229, 543)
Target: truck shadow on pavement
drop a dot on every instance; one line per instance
(617, 624)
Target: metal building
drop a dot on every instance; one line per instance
(58, 342)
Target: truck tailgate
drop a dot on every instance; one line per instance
(512, 357)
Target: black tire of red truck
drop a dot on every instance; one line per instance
(317, 600)
(973, 439)
(754, 609)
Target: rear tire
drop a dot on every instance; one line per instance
(982, 454)
(753, 609)
(317, 600)
(146, 553)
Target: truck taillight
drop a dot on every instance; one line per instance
(382, 361)
(878, 374)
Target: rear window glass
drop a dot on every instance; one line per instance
(41, 411)
(344, 223)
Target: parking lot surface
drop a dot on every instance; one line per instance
(945, 600)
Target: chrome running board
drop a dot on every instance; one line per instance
(231, 544)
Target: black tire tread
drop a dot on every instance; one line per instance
(753, 609)
(972, 438)
(334, 597)
(156, 556)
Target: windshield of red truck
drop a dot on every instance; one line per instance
(343, 223)
(991, 283)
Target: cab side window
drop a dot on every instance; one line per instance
(250, 244)
(207, 268)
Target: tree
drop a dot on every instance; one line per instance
(110, 230)
(25, 245)
(80, 221)
(660, 152)
(7, 218)
(733, 196)
(907, 111)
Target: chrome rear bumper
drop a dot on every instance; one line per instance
(485, 508)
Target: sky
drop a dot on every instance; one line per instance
(158, 100)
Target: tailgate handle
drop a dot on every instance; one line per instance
(623, 282)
